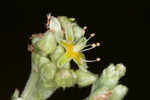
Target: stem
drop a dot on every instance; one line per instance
(30, 86)
(47, 94)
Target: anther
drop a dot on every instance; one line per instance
(98, 44)
(98, 59)
(92, 35)
(85, 27)
(92, 46)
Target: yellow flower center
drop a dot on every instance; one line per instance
(71, 50)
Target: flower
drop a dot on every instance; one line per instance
(74, 42)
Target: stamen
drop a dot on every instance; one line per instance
(91, 35)
(87, 45)
(92, 46)
(96, 60)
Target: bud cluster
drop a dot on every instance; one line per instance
(107, 87)
(53, 51)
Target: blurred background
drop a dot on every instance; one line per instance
(122, 28)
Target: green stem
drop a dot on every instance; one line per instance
(30, 86)
(39, 96)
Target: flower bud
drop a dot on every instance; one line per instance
(119, 92)
(47, 71)
(67, 26)
(56, 28)
(43, 60)
(121, 69)
(101, 94)
(85, 78)
(48, 84)
(35, 59)
(65, 78)
(54, 24)
(57, 54)
(47, 44)
(35, 39)
(78, 31)
(110, 77)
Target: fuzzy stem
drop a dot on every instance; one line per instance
(30, 86)
(37, 95)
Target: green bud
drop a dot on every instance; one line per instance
(119, 92)
(65, 78)
(47, 44)
(67, 26)
(78, 31)
(101, 94)
(57, 54)
(83, 66)
(46, 82)
(35, 39)
(85, 78)
(67, 65)
(47, 71)
(35, 59)
(56, 28)
(81, 44)
(122, 69)
(110, 77)
(55, 25)
(43, 60)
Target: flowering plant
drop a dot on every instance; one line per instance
(52, 53)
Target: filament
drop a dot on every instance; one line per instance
(96, 60)
(92, 46)
(91, 35)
